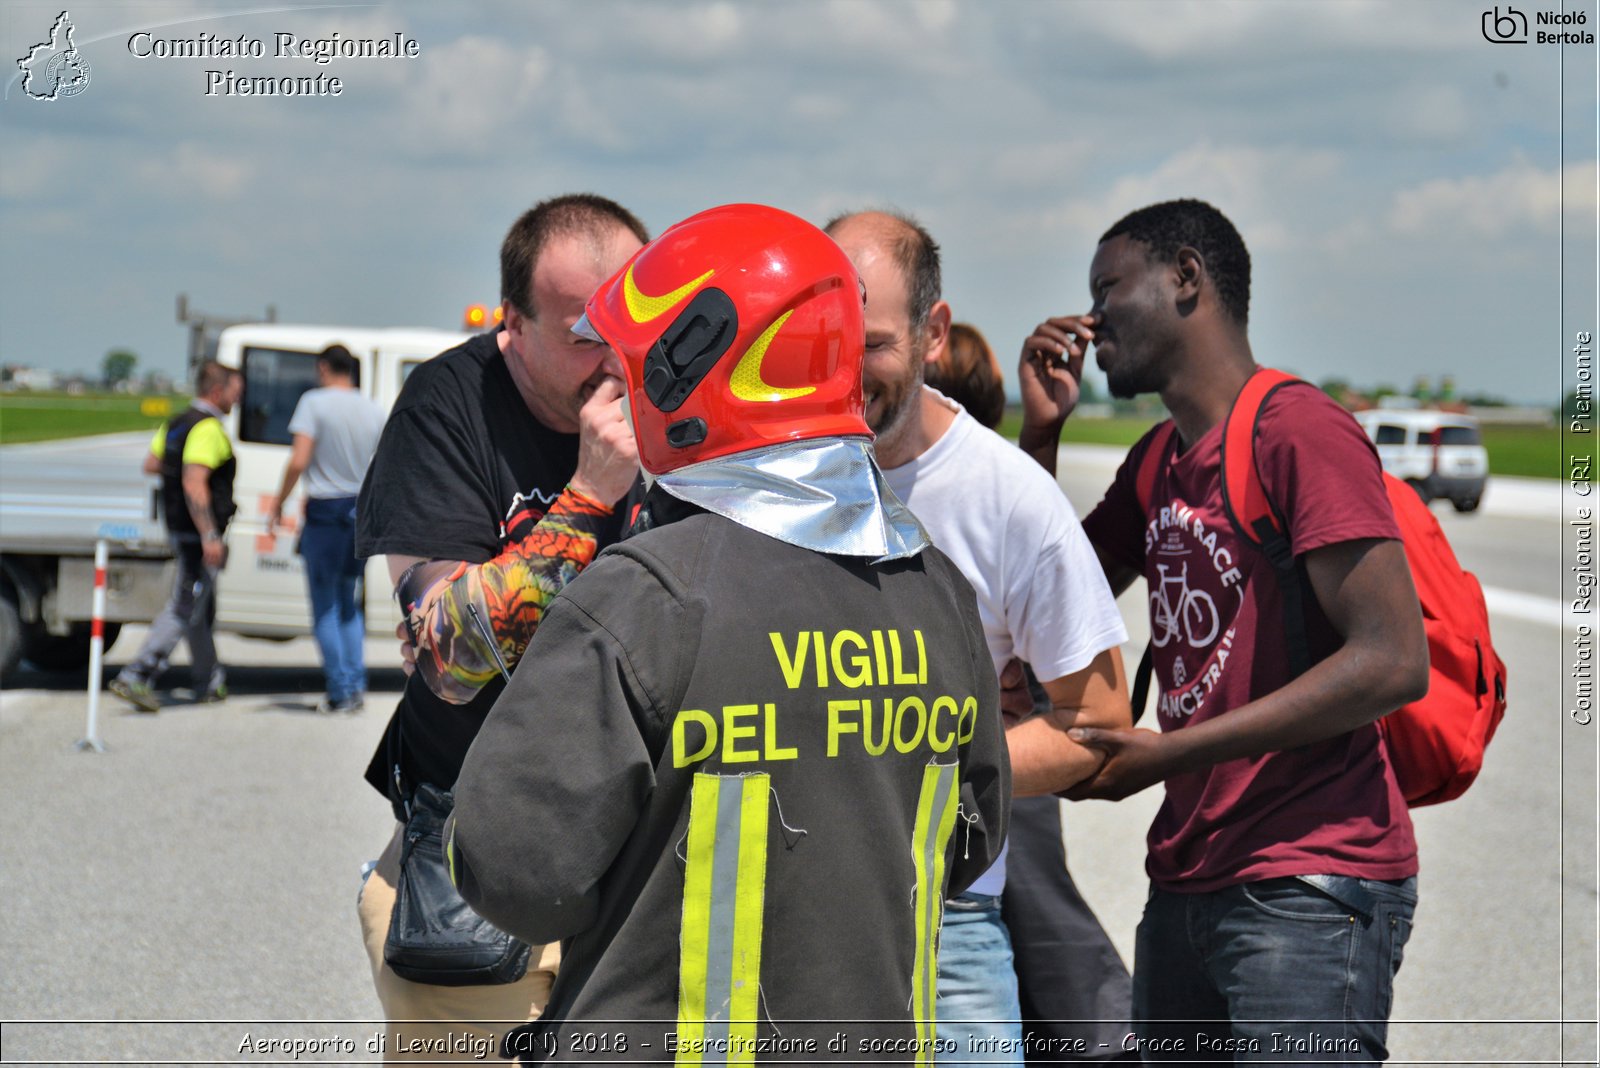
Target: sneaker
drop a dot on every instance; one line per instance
(136, 693)
(353, 703)
(214, 696)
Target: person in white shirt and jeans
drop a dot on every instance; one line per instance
(336, 430)
(1041, 596)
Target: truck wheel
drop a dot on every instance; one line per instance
(63, 652)
(1465, 504)
(1421, 487)
(10, 631)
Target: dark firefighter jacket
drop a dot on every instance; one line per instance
(740, 777)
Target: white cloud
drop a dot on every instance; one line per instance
(1519, 198)
(50, 223)
(1269, 194)
(703, 33)
(194, 171)
(34, 167)
(819, 107)
(1431, 113)
(1346, 138)
(936, 15)
(1183, 27)
(1213, 29)
(882, 41)
(1038, 165)
(467, 96)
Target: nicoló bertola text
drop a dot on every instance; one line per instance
(319, 51)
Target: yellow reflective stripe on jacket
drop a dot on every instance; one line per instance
(724, 894)
(936, 819)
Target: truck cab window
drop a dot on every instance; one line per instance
(1459, 435)
(274, 379)
(1389, 435)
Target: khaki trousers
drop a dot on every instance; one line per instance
(443, 1023)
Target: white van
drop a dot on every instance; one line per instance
(1440, 454)
(263, 592)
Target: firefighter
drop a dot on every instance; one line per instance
(752, 749)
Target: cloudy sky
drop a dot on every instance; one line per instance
(1414, 196)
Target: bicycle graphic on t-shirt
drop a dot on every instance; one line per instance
(1194, 611)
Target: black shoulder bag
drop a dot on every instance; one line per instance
(434, 936)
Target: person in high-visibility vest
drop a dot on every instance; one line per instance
(192, 454)
(753, 748)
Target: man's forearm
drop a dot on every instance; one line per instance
(291, 478)
(300, 453)
(1045, 761)
(1333, 698)
(1366, 591)
(197, 496)
(478, 618)
(1041, 444)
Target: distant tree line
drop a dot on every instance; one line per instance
(119, 373)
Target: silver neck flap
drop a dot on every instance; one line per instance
(826, 495)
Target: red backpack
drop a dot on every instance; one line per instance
(1436, 744)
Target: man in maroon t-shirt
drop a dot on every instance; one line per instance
(1282, 861)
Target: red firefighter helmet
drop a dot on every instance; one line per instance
(737, 328)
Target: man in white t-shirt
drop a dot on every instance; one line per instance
(1042, 596)
(335, 429)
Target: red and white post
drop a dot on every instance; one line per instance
(97, 646)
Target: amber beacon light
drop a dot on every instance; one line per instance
(479, 316)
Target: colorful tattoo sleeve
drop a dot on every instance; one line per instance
(478, 619)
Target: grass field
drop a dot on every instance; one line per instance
(1116, 431)
(1524, 451)
(1529, 451)
(47, 416)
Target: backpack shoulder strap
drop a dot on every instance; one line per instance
(1253, 514)
(1150, 464)
(1244, 497)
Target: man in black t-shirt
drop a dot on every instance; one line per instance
(497, 480)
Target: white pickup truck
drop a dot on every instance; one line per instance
(57, 499)
(1439, 454)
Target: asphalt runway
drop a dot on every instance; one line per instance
(194, 886)
(204, 867)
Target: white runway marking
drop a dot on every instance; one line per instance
(1531, 608)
